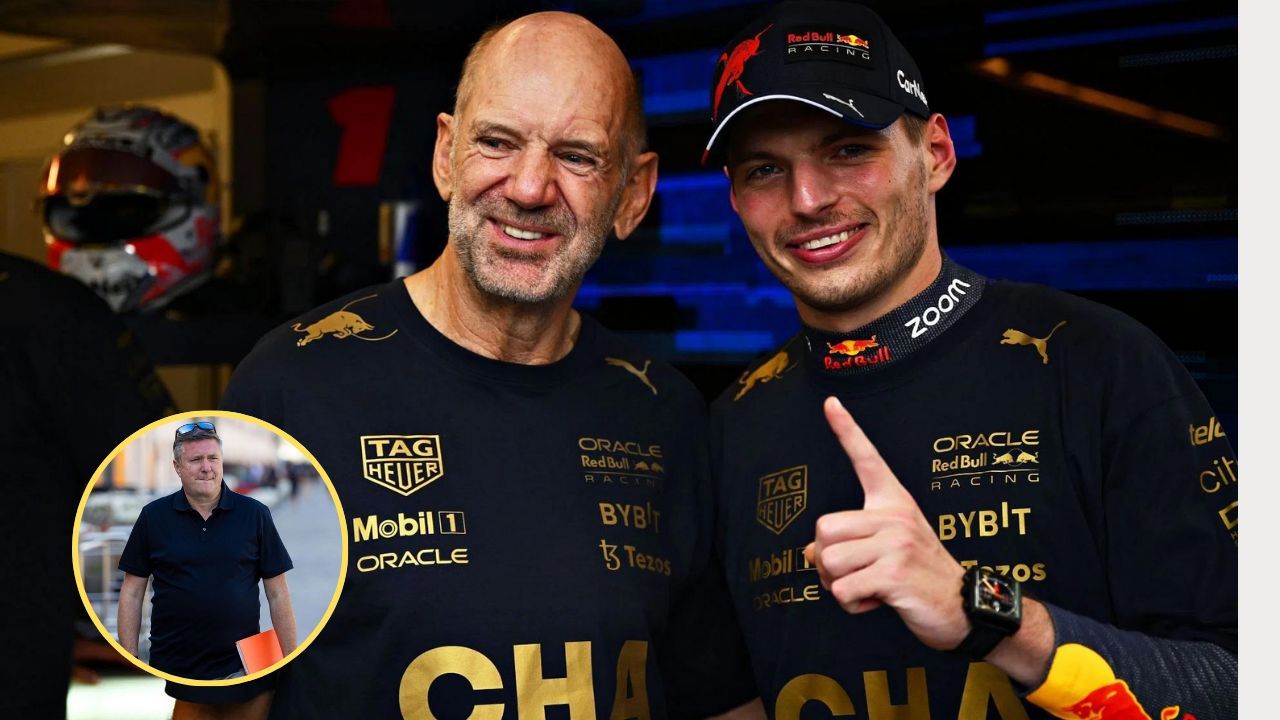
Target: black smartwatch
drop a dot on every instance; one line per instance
(994, 607)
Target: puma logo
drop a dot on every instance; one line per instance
(341, 324)
(642, 375)
(847, 103)
(772, 369)
(1017, 337)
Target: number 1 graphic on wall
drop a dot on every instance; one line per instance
(364, 114)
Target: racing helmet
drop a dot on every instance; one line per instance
(130, 207)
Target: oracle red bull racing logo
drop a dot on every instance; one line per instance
(854, 353)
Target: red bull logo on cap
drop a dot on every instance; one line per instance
(811, 44)
(853, 40)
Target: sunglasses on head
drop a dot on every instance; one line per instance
(192, 427)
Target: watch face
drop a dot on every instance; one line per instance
(996, 596)
(993, 601)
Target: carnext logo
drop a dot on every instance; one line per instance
(912, 87)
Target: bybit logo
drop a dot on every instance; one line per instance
(983, 523)
(640, 517)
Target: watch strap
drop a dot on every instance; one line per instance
(980, 641)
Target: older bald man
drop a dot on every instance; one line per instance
(527, 495)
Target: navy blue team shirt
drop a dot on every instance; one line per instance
(524, 539)
(206, 579)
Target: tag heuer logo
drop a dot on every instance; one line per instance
(783, 497)
(404, 463)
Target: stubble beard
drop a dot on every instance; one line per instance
(847, 287)
(580, 246)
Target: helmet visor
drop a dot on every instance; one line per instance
(111, 217)
(82, 171)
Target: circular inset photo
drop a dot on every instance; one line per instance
(210, 548)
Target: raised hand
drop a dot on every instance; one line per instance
(887, 553)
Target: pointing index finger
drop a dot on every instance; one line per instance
(879, 484)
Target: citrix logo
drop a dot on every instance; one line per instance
(912, 87)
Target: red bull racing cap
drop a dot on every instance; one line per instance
(836, 56)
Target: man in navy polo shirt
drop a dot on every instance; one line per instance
(206, 547)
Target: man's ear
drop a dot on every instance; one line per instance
(636, 195)
(942, 152)
(441, 170)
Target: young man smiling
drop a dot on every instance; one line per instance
(1029, 518)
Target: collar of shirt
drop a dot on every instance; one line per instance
(224, 499)
(900, 332)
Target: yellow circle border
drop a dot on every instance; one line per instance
(75, 548)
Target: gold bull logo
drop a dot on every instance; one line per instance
(771, 369)
(1010, 459)
(341, 324)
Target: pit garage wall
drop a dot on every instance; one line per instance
(47, 86)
